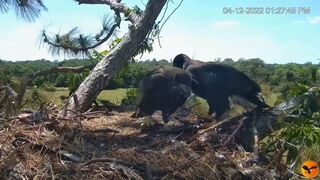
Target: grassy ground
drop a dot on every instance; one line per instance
(114, 96)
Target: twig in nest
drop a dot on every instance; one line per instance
(182, 129)
(149, 146)
(291, 167)
(2, 119)
(11, 161)
(76, 102)
(124, 163)
(181, 167)
(214, 126)
(51, 171)
(227, 141)
(88, 113)
(105, 130)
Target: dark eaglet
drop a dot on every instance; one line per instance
(164, 89)
(219, 84)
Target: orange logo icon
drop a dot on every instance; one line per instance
(310, 169)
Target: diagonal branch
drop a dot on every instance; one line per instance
(107, 68)
(116, 6)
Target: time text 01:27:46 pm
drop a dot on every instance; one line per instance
(266, 10)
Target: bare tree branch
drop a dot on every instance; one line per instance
(77, 69)
(9, 90)
(29, 79)
(116, 6)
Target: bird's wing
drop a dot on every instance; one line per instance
(150, 85)
(305, 167)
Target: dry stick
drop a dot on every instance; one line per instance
(2, 119)
(278, 156)
(82, 115)
(117, 7)
(234, 132)
(291, 167)
(65, 109)
(105, 130)
(76, 102)
(124, 163)
(75, 116)
(94, 112)
(181, 167)
(8, 90)
(51, 171)
(219, 124)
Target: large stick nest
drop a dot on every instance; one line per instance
(113, 146)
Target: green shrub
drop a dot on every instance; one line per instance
(302, 133)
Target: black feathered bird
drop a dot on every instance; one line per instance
(217, 82)
(164, 89)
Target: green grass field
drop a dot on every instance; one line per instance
(114, 96)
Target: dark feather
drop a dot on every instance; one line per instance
(163, 89)
(216, 82)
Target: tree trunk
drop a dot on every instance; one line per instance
(106, 69)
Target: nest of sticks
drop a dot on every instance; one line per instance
(98, 145)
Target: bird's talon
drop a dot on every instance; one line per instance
(148, 121)
(174, 123)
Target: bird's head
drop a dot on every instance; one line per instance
(181, 61)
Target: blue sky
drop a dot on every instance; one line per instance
(199, 29)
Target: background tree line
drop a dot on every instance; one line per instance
(288, 79)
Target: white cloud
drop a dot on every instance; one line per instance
(314, 20)
(226, 24)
